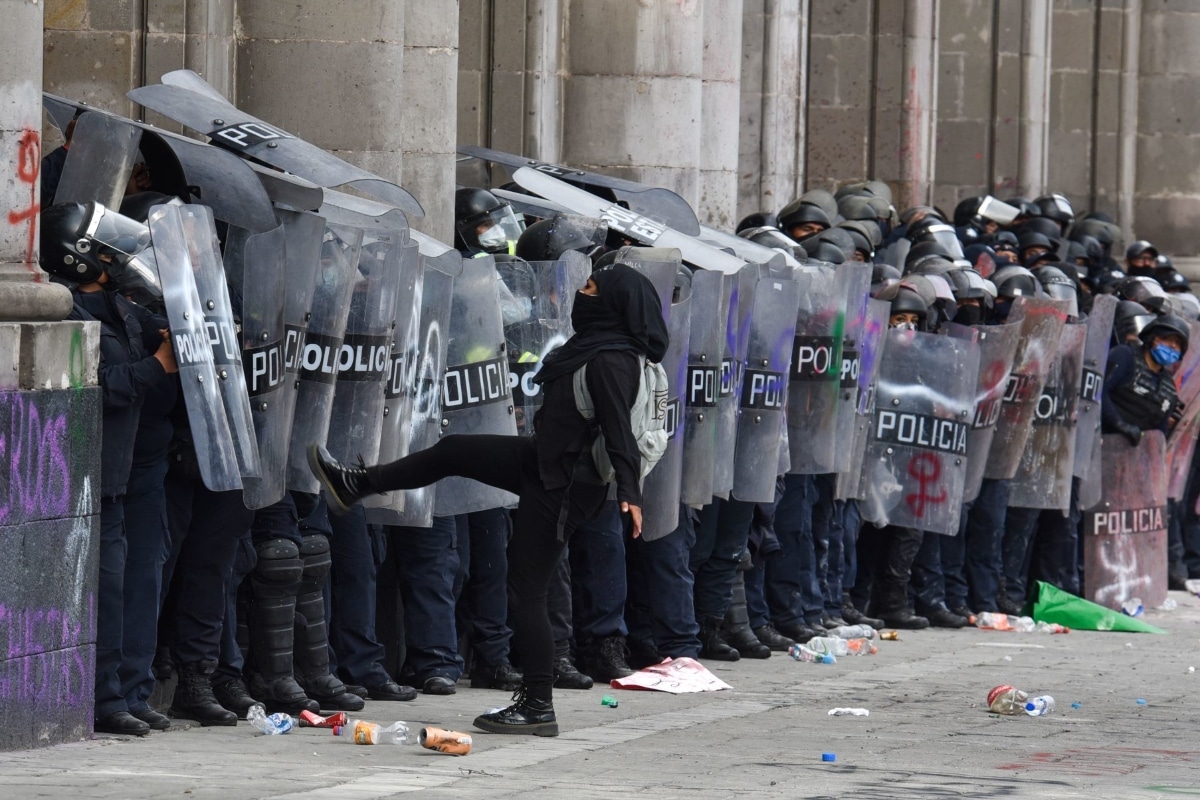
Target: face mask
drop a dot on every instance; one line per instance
(905, 326)
(968, 315)
(1164, 354)
(493, 239)
(586, 312)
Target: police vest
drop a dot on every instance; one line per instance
(1148, 397)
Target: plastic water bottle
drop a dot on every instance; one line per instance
(861, 647)
(1008, 700)
(854, 632)
(1039, 706)
(993, 620)
(362, 732)
(272, 725)
(1051, 627)
(802, 653)
(828, 644)
(1022, 624)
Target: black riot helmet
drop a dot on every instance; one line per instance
(798, 213)
(1057, 208)
(1173, 280)
(837, 236)
(773, 238)
(909, 301)
(1140, 247)
(1166, 325)
(1141, 258)
(548, 239)
(759, 219)
(822, 200)
(826, 251)
(863, 247)
(1030, 240)
(1059, 286)
(1047, 227)
(1103, 231)
(483, 222)
(934, 230)
(1145, 290)
(1129, 320)
(1105, 280)
(81, 241)
(1013, 282)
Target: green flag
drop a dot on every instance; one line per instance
(1055, 605)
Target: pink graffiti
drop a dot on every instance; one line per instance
(38, 473)
(50, 660)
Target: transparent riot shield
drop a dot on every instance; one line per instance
(1043, 478)
(201, 235)
(770, 327)
(915, 466)
(550, 288)
(702, 387)
(396, 422)
(424, 365)
(820, 408)
(476, 398)
(660, 265)
(997, 349)
(209, 426)
(255, 264)
(100, 160)
(1125, 534)
(1091, 384)
(729, 385)
(356, 416)
(336, 275)
(1181, 441)
(870, 356)
(661, 488)
(302, 257)
(1041, 324)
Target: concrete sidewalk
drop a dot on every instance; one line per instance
(928, 734)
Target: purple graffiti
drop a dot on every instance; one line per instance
(49, 655)
(39, 480)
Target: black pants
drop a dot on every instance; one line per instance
(510, 463)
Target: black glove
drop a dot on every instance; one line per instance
(1131, 432)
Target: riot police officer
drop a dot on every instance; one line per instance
(1139, 386)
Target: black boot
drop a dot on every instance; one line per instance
(567, 677)
(525, 716)
(344, 486)
(736, 630)
(231, 693)
(773, 638)
(606, 660)
(643, 654)
(855, 617)
(502, 676)
(831, 621)
(194, 696)
(271, 623)
(1007, 605)
(712, 645)
(942, 617)
(311, 636)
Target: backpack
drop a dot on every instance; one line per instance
(647, 418)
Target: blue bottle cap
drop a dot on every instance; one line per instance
(829, 756)
(1141, 702)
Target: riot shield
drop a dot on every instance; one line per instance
(660, 265)
(336, 274)
(820, 397)
(205, 251)
(660, 490)
(1043, 478)
(1095, 359)
(766, 351)
(424, 365)
(211, 437)
(706, 339)
(627, 223)
(997, 349)
(302, 257)
(232, 129)
(475, 390)
(870, 355)
(652, 201)
(99, 161)
(1041, 324)
(356, 416)
(255, 264)
(915, 464)
(550, 287)
(1125, 535)
(729, 382)
(1181, 442)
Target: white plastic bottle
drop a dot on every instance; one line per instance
(1039, 706)
(853, 632)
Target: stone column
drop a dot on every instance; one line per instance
(918, 119)
(25, 293)
(720, 89)
(1036, 18)
(632, 104)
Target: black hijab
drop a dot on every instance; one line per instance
(625, 315)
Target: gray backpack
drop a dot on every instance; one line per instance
(647, 418)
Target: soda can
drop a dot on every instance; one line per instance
(453, 743)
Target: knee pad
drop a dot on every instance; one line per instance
(314, 551)
(279, 566)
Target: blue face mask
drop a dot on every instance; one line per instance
(1164, 354)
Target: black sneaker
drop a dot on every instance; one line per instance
(344, 486)
(524, 716)
(502, 676)
(567, 677)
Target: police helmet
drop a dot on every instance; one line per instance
(1173, 280)
(1140, 247)
(1166, 325)
(775, 239)
(860, 237)
(799, 213)
(909, 301)
(759, 219)
(822, 200)
(1129, 320)
(81, 241)
(1012, 282)
(548, 239)
(1057, 208)
(910, 215)
(826, 251)
(484, 222)
(1059, 286)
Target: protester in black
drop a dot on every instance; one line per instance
(616, 318)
